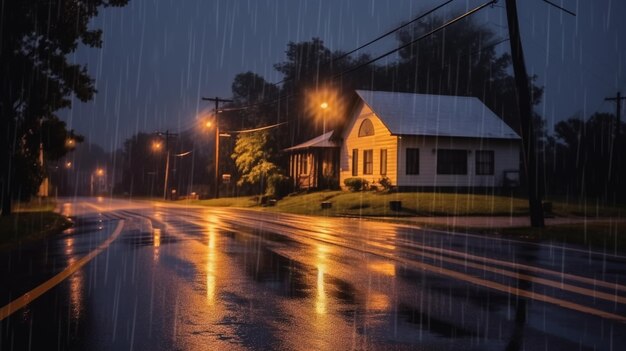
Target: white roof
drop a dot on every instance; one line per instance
(436, 115)
(319, 141)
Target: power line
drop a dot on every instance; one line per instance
(386, 34)
(560, 7)
(443, 26)
(350, 70)
(256, 129)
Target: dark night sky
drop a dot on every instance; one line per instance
(160, 56)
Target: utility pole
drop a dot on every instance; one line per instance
(167, 135)
(525, 115)
(618, 112)
(217, 101)
(616, 145)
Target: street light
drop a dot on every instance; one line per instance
(99, 172)
(324, 107)
(156, 145)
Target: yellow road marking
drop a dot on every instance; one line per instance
(30, 296)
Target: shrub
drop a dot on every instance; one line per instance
(356, 184)
(278, 185)
(385, 182)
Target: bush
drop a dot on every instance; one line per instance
(278, 185)
(356, 184)
(385, 183)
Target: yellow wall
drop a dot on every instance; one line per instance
(382, 139)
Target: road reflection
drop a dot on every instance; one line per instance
(156, 240)
(320, 300)
(211, 267)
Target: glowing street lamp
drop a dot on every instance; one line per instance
(68, 164)
(157, 146)
(324, 107)
(100, 172)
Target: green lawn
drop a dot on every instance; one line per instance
(413, 204)
(31, 221)
(369, 203)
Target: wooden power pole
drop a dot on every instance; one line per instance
(525, 114)
(167, 135)
(217, 142)
(618, 113)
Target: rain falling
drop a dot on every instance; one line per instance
(312, 175)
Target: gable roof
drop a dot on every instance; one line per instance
(321, 141)
(436, 115)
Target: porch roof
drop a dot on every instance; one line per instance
(322, 141)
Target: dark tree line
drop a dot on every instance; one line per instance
(585, 159)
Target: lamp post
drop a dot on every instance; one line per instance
(324, 107)
(217, 101)
(99, 173)
(157, 146)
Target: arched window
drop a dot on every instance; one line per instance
(366, 129)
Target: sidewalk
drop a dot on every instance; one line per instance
(494, 222)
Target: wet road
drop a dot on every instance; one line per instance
(152, 276)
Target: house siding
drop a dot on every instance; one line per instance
(506, 157)
(382, 139)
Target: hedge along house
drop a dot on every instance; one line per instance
(428, 141)
(314, 164)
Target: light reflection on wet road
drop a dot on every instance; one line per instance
(191, 278)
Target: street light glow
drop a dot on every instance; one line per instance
(208, 124)
(156, 145)
(100, 172)
(324, 105)
(68, 164)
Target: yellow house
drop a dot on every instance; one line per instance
(428, 141)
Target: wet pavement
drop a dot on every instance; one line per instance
(192, 278)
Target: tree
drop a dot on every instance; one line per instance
(587, 162)
(459, 60)
(36, 80)
(253, 157)
(312, 72)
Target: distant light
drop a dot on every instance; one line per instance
(324, 105)
(156, 145)
(68, 164)
(208, 124)
(100, 172)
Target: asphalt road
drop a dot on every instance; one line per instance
(152, 276)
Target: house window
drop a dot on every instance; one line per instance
(412, 161)
(368, 161)
(355, 162)
(484, 162)
(451, 161)
(304, 164)
(383, 161)
(366, 129)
